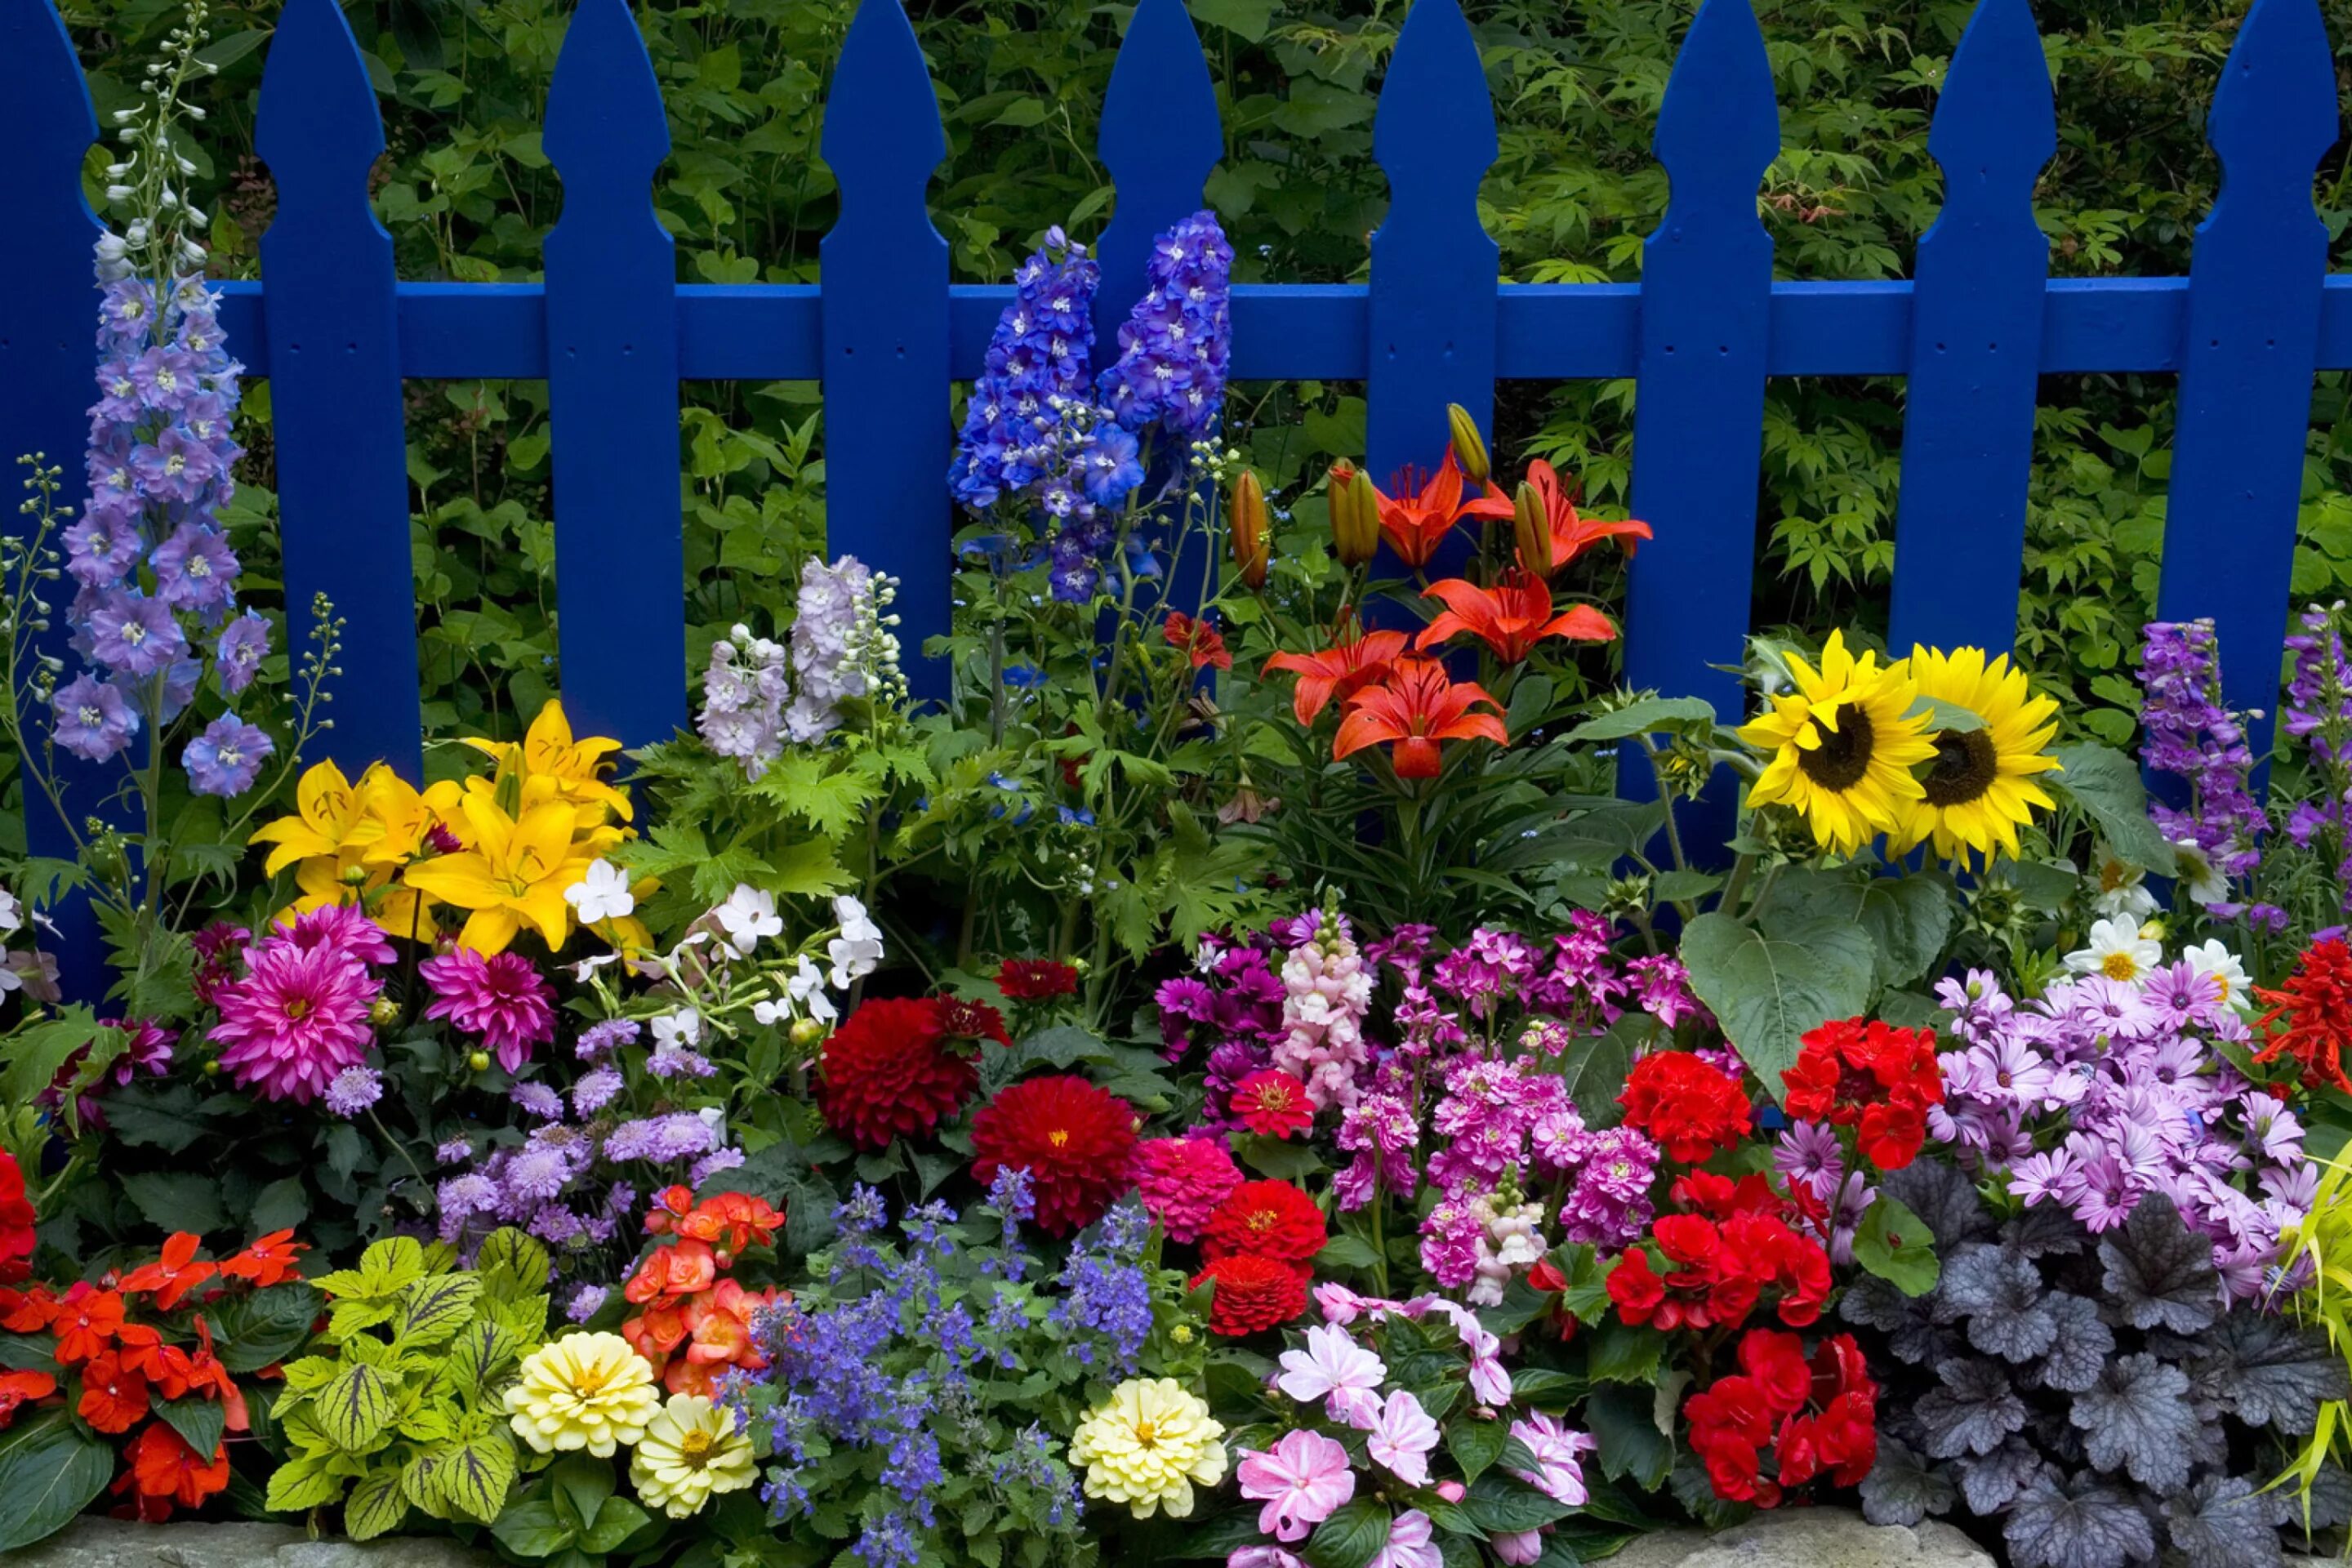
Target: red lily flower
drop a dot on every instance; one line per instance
(1415, 524)
(1415, 707)
(1339, 671)
(1201, 640)
(1571, 531)
(1510, 618)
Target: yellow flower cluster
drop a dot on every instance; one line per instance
(1846, 747)
(595, 1394)
(1147, 1445)
(692, 1451)
(502, 848)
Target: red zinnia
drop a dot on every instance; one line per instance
(1689, 1108)
(1272, 1219)
(1253, 1293)
(1076, 1141)
(2316, 1006)
(888, 1073)
(1272, 1104)
(1036, 979)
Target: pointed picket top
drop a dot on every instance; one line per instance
(2275, 113)
(1161, 137)
(316, 125)
(43, 101)
(606, 132)
(885, 140)
(1434, 132)
(1720, 126)
(1997, 119)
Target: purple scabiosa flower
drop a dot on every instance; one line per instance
(238, 655)
(353, 1091)
(538, 1100)
(710, 1164)
(673, 1060)
(604, 1036)
(660, 1140)
(195, 569)
(586, 1302)
(595, 1091)
(89, 718)
(226, 758)
(453, 1152)
(133, 634)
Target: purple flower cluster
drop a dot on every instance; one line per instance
(1106, 1300)
(533, 1186)
(2318, 712)
(2102, 1091)
(2185, 731)
(1173, 347)
(1232, 1008)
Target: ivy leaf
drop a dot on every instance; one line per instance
(2083, 1524)
(2223, 1522)
(1768, 988)
(2079, 1349)
(2137, 1417)
(1352, 1537)
(1902, 1488)
(2159, 1274)
(1896, 1246)
(1972, 1411)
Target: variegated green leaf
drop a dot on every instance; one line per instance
(308, 1481)
(389, 1265)
(310, 1375)
(512, 1265)
(349, 1319)
(481, 1353)
(355, 1410)
(473, 1479)
(376, 1506)
(431, 1309)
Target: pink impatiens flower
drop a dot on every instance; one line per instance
(1558, 1453)
(501, 998)
(1402, 1437)
(1337, 1370)
(1302, 1481)
(1408, 1544)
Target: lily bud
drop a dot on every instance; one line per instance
(1246, 519)
(1355, 516)
(1469, 447)
(1531, 527)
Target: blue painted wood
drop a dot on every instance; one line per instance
(612, 387)
(334, 351)
(49, 369)
(1431, 317)
(885, 309)
(1707, 283)
(1976, 344)
(2250, 351)
(1160, 138)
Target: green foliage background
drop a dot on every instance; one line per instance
(467, 194)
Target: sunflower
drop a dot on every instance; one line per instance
(1980, 788)
(1842, 746)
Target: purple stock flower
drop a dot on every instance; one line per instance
(226, 758)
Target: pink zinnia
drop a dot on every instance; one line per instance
(1183, 1181)
(297, 1017)
(1303, 1479)
(501, 998)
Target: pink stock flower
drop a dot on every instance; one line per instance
(296, 1017)
(1337, 1370)
(1302, 1481)
(1402, 1437)
(502, 999)
(1408, 1544)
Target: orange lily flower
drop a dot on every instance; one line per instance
(1417, 524)
(1339, 671)
(1415, 707)
(1511, 617)
(1571, 531)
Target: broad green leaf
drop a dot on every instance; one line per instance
(1277, 1159)
(434, 1308)
(1501, 1505)
(1897, 1245)
(258, 1330)
(530, 1528)
(376, 1505)
(616, 1520)
(2105, 784)
(307, 1481)
(1477, 1445)
(176, 1200)
(354, 1409)
(1346, 1252)
(35, 1055)
(1352, 1537)
(1946, 716)
(1768, 989)
(474, 1478)
(1625, 1423)
(578, 1486)
(50, 1469)
(1910, 920)
(1625, 1352)
(1639, 717)
(198, 1420)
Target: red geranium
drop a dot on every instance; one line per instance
(1687, 1107)
(2314, 1008)
(1876, 1079)
(889, 1073)
(1272, 1104)
(1036, 979)
(1253, 1293)
(1076, 1141)
(1722, 1261)
(1271, 1219)
(1818, 1419)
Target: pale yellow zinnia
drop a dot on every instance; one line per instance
(691, 1451)
(1147, 1445)
(589, 1391)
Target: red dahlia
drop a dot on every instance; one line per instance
(1688, 1109)
(1036, 979)
(1253, 1294)
(962, 1020)
(2315, 1007)
(888, 1073)
(1271, 1219)
(1272, 1104)
(1076, 1141)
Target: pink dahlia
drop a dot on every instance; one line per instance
(1184, 1181)
(345, 926)
(297, 1017)
(501, 998)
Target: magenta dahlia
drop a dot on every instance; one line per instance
(501, 998)
(1183, 1181)
(345, 926)
(296, 1017)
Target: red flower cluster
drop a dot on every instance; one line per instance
(1731, 1245)
(1036, 979)
(686, 1303)
(17, 1219)
(891, 1071)
(1820, 1418)
(2314, 1008)
(1259, 1246)
(1876, 1079)
(1687, 1107)
(1253, 1293)
(1272, 1104)
(1076, 1140)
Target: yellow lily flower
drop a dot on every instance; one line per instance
(511, 872)
(327, 814)
(550, 752)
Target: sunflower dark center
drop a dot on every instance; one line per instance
(1965, 767)
(1843, 755)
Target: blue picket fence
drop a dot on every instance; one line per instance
(612, 332)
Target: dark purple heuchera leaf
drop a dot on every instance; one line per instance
(2079, 1347)
(2223, 1522)
(2137, 1417)
(1908, 1322)
(2329, 1503)
(1973, 1411)
(2001, 1295)
(2084, 1524)
(1902, 1488)
(2158, 1275)
(1990, 1482)
(1945, 1198)
(2267, 1372)
(2044, 1230)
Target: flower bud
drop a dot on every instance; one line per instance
(1355, 515)
(806, 1032)
(1531, 528)
(479, 1061)
(1246, 521)
(1469, 447)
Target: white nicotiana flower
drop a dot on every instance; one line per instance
(858, 949)
(747, 915)
(602, 895)
(2209, 960)
(12, 913)
(680, 1030)
(2199, 876)
(587, 968)
(2118, 951)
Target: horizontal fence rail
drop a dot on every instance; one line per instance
(615, 334)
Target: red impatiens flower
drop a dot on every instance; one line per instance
(1272, 1219)
(1076, 1140)
(17, 1219)
(1339, 671)
(1200, 641)
(85, 1319)
(113, 1396)
(1416, 520)
(1511, 617)
(268, 1260)
(1878, 1080)
(889, 1073)
(1036, 979)
(18, 1386)
(1414, 707)
(172, 1275)
(1272, 1104)
(1686, 1106)
(166, 1470)
(1253, 1293)
(2315, 1007)
(1571, 533)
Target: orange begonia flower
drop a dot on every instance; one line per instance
(1510, 618)
(1339, 672)
(678, 1269)
(1415, 707)
(1414, 524)
(1571, 531)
